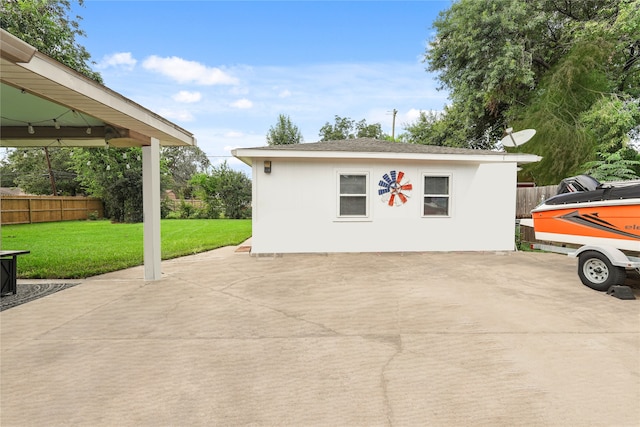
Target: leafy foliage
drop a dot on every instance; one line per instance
(622, 165)
(29, 170)
(556, 66)
(346, 128)
(182, 163)
(342, 129)
(184, 210)
(564, 143)
(224, 191)
(422, 131)
(45, 25)
(609, 120)
(284, 132)
(364, 130)
(115, 176)
(482, 53)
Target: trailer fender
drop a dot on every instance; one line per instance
(616, 256)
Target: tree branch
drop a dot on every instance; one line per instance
(541, 63)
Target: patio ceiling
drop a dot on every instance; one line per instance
(45, 103)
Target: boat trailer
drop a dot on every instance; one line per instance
(602, 268)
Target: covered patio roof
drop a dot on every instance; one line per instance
(44, 103)
(61, 104)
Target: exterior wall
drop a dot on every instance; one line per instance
(295, 209)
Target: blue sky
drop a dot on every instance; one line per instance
(226, 70)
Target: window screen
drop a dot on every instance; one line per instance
(436, 196)
(353, 195)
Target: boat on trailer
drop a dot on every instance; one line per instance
(602, 219)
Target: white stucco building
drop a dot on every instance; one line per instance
(366, 195)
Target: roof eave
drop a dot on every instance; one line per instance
(14, 49)
(247, 155)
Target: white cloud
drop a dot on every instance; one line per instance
(184, 71)
(122, 60)
(413, 114)
(241, 115)
(242, 104)
(284, 94)
(187, 97)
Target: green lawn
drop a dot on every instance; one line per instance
(77, 249)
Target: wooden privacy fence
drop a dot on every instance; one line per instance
(530, 197)
(28, 209)
(527, 199)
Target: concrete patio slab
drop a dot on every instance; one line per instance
(407, 339)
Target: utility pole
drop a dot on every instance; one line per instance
(393, 126)
(51, 178)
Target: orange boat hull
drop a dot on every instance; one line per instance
(616, 225)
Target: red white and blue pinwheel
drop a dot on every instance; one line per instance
(393, 189)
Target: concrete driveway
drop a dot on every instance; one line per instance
(439, 339)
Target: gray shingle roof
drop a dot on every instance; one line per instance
(370, 145)
(370, 148)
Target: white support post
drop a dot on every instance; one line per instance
(151, 210)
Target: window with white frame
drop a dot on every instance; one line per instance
(436, 195)
(352, 195)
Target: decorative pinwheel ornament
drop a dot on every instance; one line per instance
(393, 190)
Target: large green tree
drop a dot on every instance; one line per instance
(115, 176)
(225, 191)
(447, 128)
(340, 130)
(183, 163)
(284, 132)
(365, 130)
(548, 64)
(29, 169)
(47, 26)
(347, 128)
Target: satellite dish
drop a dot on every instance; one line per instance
(516, 139)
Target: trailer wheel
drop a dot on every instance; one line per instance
(597, 272)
